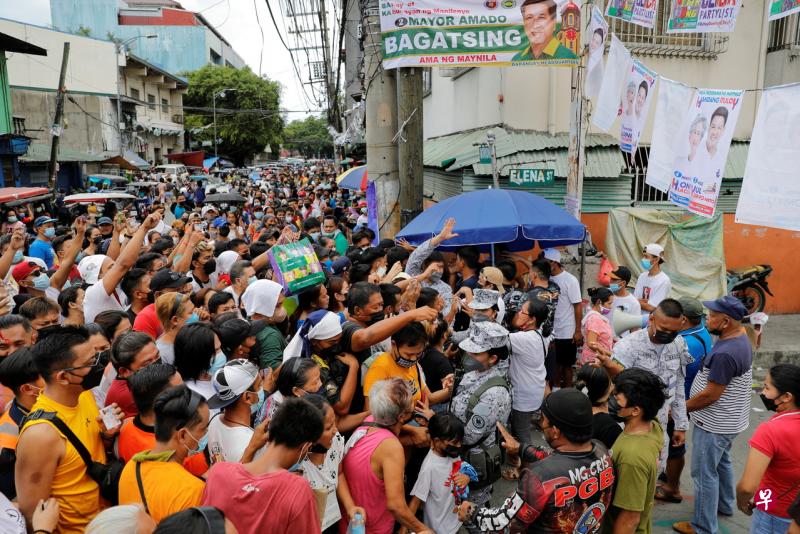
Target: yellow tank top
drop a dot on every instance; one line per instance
(78, 495)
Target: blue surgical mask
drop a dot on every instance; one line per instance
(201, 444)
(18, 257)
(232, 210)
(41, 282)
(254, 408)
(193, 318)
(50, 232)
(614, 288)
(314, 235)
(328, 265)
(646, 264)
(219, 362)
(259, 215)
(251, 280)
(12, 219)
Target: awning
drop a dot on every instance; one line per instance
(40, 152)
(190, 159)
(209, 162)
(12, 44)
(14, 196)
(131, 161)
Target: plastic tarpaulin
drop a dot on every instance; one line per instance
(693, 249)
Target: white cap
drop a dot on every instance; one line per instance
(552, 254)
(231, 382)
(654, 249)
(89, 268)
(206, 209)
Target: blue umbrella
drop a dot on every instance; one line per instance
(490, 216)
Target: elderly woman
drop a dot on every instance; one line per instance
(482, 399)
(373, 462)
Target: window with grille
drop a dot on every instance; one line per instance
(657, 42)
(151, 101)
(427, 81)
(164, 105)
(135, 94)
(636, 167)
(784, 33)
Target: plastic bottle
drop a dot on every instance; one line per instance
(357, 525)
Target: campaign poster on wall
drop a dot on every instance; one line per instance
(639, 90)
(699, 165)
(782, 8)
(639, 12)
(445, 33)
(673, 100)
(706, 16)
(617, 67)
(598, 31)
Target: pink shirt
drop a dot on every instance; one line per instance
(367, 490)
(279, 502)
(595, 322)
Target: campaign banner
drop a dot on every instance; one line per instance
(782, 8)
(608, 101)
(598, 31)
(639, 12)
(770, 194)
(708, 16)
(296, 266)
(635, 105)
(674, 99)
(705, 139)
(457, 33)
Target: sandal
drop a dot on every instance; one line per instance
(662, 495)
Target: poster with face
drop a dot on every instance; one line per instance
(598, 30)
(639, 12)
(700, 163)
(639, 89)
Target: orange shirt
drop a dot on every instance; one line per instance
(134, 437)
(168, 488)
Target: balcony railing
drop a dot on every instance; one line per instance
(177, 119)
(784, 33)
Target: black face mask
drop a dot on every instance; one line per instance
(92, 379)
(374, 318)
(769, 404)
(451, 451)
(663, 338)
(97, 241)
(210, 266)
(332, 351)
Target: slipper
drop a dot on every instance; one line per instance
(661, 495)
(510, 473)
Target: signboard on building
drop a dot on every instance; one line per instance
(530, 177)
(484, 155)
(709, 16)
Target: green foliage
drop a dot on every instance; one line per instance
(83, 30)
(242, 134)
(309, 136)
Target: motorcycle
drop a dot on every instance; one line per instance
(749, 284)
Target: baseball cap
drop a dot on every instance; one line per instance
(341, 265)
(167, 279)
(206, 209)
(44, 219)
(495, 276)
(552, 254)
(219, 222)
(484, 336)
(230, 382)
(89, 268)
(569, 410)
(654, 249)
(233, 333)
(623, 273)
(104, 220)
(730, 306)
(483, 299)
(692, 307)
(23, 269)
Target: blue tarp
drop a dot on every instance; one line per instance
(209, 162)
(517, 218)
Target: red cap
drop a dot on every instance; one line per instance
(24, 269)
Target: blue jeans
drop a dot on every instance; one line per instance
(712, 474)
(765, 523)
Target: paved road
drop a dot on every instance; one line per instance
(665, 514)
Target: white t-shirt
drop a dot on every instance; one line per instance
(96, 300)
(227, 443)
(434, 488)
(326, 477)
(527, 371)
(654, 289)
(564, 319)
(11, 519)
(627, 304)
(230, 290)
(166, 351)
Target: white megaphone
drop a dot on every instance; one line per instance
(622, 322)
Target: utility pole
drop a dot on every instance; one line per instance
(56, 127)
(490, 138)
(381, 90)
(409, 147)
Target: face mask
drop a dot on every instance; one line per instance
(451, 451)
(93, 378)
(605, 311)
(219, 362)
(193, 318)
(436, 276)
(18, 257)
(210, 266)
(375, 317)
(314, 235)
(328, 265)
(614, 288)
(646, 264)
(364, 211)
(381, 272)
(252, 280)
(50, 232)
(663, 338)
(201, 444)
(331, 352)
(41, 282)
(405, 362)
(329, 234)
(259, 215)
(12, 219)
(288, 219)
(97, 241)
(254, 408)
(232, 210)
(298, 466)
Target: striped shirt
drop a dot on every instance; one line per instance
(729, 364)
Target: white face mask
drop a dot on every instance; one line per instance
(381, 272)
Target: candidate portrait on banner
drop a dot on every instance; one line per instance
(547, 37)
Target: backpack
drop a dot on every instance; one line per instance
(488, 460)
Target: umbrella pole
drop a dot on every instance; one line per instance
(583, 262)
(492, 252)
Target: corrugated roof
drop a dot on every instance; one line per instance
(737, 159)
(601, 162)
(41, 152)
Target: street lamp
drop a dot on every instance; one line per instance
(220, 94)
(117, 48)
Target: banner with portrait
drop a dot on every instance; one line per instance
(673, 100)
(708, 16)
(639, 12)
(608, 101)
(638, 93)
(770, 194)
(782, 8)
(705, 138)
(453, 33)
(598, 31)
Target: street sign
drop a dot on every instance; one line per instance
(530, 177)
(485, 154)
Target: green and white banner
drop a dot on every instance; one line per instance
(459, 33)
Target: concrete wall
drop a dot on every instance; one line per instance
(783, 66)
(222, 48)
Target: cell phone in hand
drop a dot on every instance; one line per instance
(198, 227)
(110, 419)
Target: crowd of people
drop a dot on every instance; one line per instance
(158, 376)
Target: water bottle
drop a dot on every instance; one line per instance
(357, 525)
